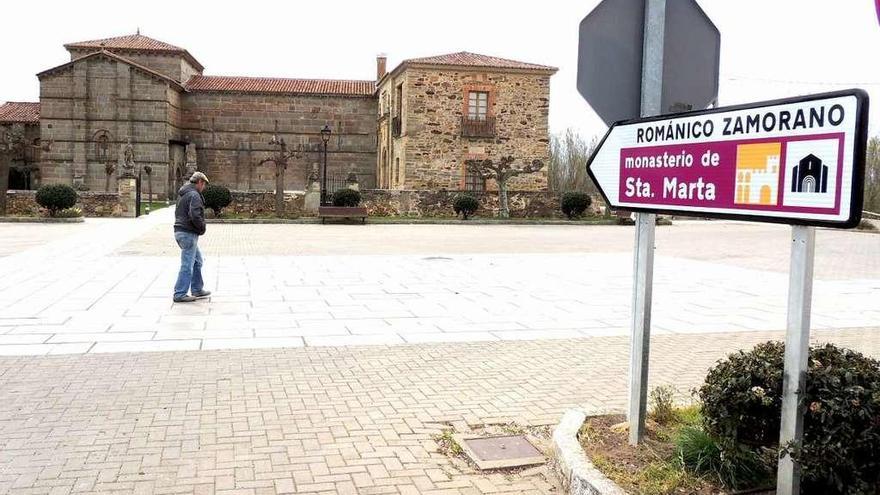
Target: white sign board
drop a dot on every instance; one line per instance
(796, 161)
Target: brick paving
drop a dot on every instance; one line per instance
(314, 420)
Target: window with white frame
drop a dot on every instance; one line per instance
(478, 105)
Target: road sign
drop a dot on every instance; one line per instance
(797, 161)
(610, 56)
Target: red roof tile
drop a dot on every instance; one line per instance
(281, 85)
(128, 42)
(135, 42)
(19, 111)
(468, 59)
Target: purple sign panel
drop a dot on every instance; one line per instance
(783, 174)
(797, 161)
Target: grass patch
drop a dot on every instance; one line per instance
(677, 456)
(447, 443)
(154, 205)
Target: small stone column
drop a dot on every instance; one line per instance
(127, 189)
(312, 198)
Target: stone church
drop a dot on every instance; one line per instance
(410, 128)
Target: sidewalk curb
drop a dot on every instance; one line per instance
(579, 476)
(41, 220)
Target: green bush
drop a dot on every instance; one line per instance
(56, 197)
(574, 204)
(465, 205)
(217, 198)
(742, 403)
(347, 197)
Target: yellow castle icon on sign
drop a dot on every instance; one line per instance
(757, 174)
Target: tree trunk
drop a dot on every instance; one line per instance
(149, 192)
(279, 191)
(4, 180)
(106, 182)
(504, 211)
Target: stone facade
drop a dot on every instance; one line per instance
(427, 203)
(91, 107)
(427, 131)
(408, 134)
(234, 130)
(92, 204)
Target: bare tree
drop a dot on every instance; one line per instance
(501, 172)
(567, 169)
(280, 157)
(12, 145)
(872, 176)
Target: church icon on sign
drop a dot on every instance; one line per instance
(809, 176)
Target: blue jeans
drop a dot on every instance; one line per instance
(190, 275)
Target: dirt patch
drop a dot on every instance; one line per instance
(649, 469)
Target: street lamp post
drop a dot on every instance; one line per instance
(325, 137)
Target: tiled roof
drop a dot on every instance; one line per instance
(135, 42)
(128, 42)
(468, 59)
(281, 85)
(19, 111)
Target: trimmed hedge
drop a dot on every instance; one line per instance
(742, 403)
(217, 198)
(56, 197)
(575, 203)
(347, 198)
(465, 205)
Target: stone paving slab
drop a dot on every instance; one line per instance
(122, 303)
(315, 420)
(97, 290)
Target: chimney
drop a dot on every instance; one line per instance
(381, 60)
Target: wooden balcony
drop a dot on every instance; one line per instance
(478, 128)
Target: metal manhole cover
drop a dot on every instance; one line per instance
(499, 452)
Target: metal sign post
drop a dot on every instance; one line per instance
(797, 350)
(643, 254)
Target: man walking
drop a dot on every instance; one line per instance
(189, 224)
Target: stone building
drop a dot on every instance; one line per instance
(154, 95)
(23, 119)
(437, 112)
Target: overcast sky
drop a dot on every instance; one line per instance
(770, 48)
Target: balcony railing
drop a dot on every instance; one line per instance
(396, 126)
(484, 127)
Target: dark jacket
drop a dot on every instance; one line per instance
(189, 216)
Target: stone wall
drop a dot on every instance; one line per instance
(262, 204)
(423, 203)
(431, 141)
(232, 132)
(92, 204)
(173, 65)
(90, 108)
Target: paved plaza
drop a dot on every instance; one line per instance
(107, 287)
(331, 357)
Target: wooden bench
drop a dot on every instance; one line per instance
(342, 212)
